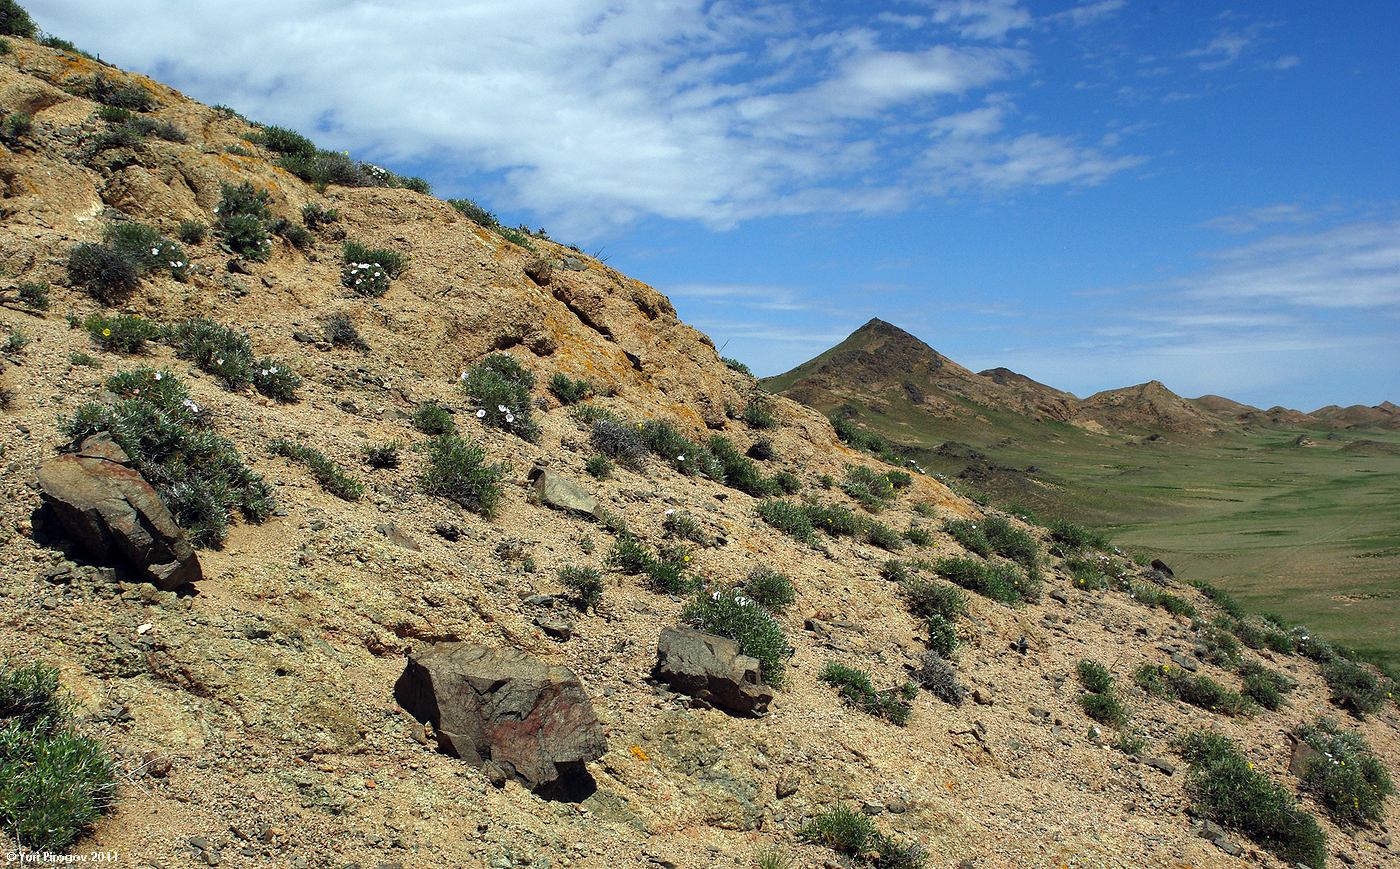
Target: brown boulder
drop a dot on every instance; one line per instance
(711, 669)
(110, 510)
(508, 713)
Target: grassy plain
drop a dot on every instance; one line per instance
(1311, 532)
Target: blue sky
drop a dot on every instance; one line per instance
(1094, 193)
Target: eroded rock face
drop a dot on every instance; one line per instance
(111, 511)
(506, 712)
(711, 669)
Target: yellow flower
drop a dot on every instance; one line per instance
(106, 333)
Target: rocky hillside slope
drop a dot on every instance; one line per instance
(253, 715)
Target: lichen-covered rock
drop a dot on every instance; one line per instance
(109, 509)
(561, 493)
(711, 669)
(506, 712)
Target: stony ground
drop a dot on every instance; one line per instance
(254, 720)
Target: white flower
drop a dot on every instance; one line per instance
(480, 414)
(272, 370)
(157, 375)
(218, 361)
(155, 251)
(510, 418)
(501, 408)
(670, 512)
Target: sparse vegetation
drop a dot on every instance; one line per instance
(855, 687)
(871, 489)
(969, 535)
(341, 332)
(756, 414)
(15, 21)
(585, 584)
(683, 526)
(199, 474)
(459, 471)
(599, 467)
(383, 456)
(431, 418)
(327, 473)
(787, 518)
(619, 441)
(121, 333)
(1200, 691)
(739, 471)
(242, 221)
(1346, 777)
(1099, 700)
(769, 589)
(54, 782)
(192, 232)
(500, 387)
(569, 390)
(104, 273)
(883, 536)
(937, 676)
(1354, 688)
(1000, 581)
(728, 613)
(735, 365)
(228, 355)
(1069, 538)
(1265, 686)
(1227, 788)
(680, 452)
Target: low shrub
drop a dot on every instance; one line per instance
(599, 467)
(620, 442)
(871, 489)
(500, 387)
(200, 476)
(969, 535)
(667, 572)
(1227, 788)
(1000, 581)
(1354, 688)
(341, 332)
(383, 456)
(756, 414)
(33, 295)
(242, 220)
(730, 614)
(769, 589)
(1346, 777)
(894, 570)
(918, 536)
(1310, 645)
(459, 471)
(84, 360)
(1220, 598)
(1216, 645)
(683, 526)
(104, 273)
(786, 482)
(681, 453)
(629, 555)
(54, 783)
(928, 598)
(391, 262)
(1104, 708)
(761, 450)
(834, 519)
(739, 471)
(856, 689)
(585, 584)
(148, 249)
(275, 379)
(883, 536)
(1201, 691)
(215, 349)
(568, 390)
(787, 518)
(132, 97)
(192, 232)
(942, 635)
(1265, 686)
(1068, 538)
(1094, 677)
(315, 216)
(16, 126)
(431, 418)
(842, 829)
(329, 475)
(1011, 542)
(735, 365)
(15, 21)
(121, 333)
(937, 676)
(1087, 573)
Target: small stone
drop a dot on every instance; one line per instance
(157, 765)
(786, 786)
(1185, 662)
(559, 629)
(982, 695)
(1165, 767)
(872, 807)
(896, 805)
(1059, 596)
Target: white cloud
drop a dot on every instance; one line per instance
(1288, 61)
(1088, 13)
(1251, 219)
(593, 113)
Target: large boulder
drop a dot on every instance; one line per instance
(711, 669)
(562, 493)
(506, 712)
(109, 509)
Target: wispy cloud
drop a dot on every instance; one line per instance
(1088, 13)
(1252, 219)
(600, 112)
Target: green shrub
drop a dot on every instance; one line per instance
(475, 213)
(1069, 538)
(942, 635)
(16, 126)
(113, 114)
(681, 453)
(769, 589)
(841, 829)
(147, 248)
(969, 535)
(383, 456)
(872, 490)
(1087, 573)
(894, 570)
(341, 332)
(33, 295)
(1354, 687)
(683, 526)
(629, 555)
(15, 21)
(392, 262)
(192, 232)
(599, 467)
(667, 571)
(757, 415)
(299, 236)
(568, 390)
(104, 273)
(936, 675)
(918, 536)
(1217, 646)
(1104, 708)
(121, 333)
(856, 689)
(315, 216)
(282, 140)
(730, 614)
(787, 518)
(1177, 606)
(1011, 542)
(327, 473)
(199, 475)
(619, 441)
(458, 470)
(1311, 646)
(84, 360)
(1201, 691)
(242, 221)
(586, 585)
(1001, 581)
(1094, 677)
(124, 96)
(54, 783)
(1264, 686)
(432, 418)
(275, 379)
(883, 536)
(1347, 777)
(739, 471)
(786, 482)
(1220, 597)
(1226, 788)
(215, 349)
(761, 450)
(736, 365)
(927, 599)
(16, 341)
(500, 387)
(834, 519)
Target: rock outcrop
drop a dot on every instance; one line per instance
(711, 669)
(561, 493)
(109, 509)
(506, 712)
